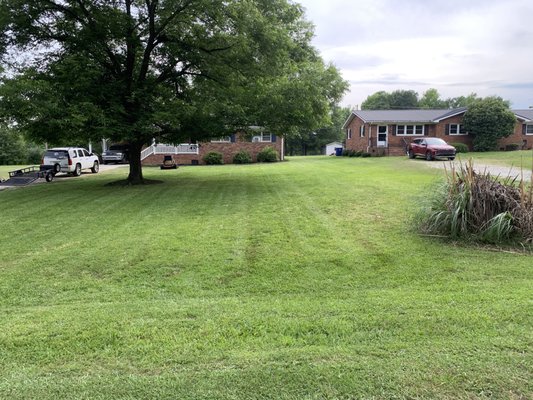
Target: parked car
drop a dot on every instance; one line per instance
(71, 160)
(431, 148)
(117, 153)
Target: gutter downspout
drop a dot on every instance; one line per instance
(369, 138)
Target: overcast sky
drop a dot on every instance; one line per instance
(455, 46)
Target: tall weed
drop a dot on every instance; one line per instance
(480, 207)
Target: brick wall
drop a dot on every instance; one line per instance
(228, 151)
(181, 159)
(518, 137)
(440, 131)
(357, 142)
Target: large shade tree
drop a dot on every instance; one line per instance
(174, 70)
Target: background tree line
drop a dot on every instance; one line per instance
(313, 142)
(16, 149)
(409, 99)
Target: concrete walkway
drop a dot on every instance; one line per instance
(494, 170)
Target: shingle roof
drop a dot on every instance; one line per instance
(419, 116)
(405, 115)
(526, 115)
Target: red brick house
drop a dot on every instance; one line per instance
(390, 131)
(228, 146)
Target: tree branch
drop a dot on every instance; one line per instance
(89, 23)
(171, 17)
(151, 42)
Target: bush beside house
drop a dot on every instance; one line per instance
(268, 154)
(213, 158)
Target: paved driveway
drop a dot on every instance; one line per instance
(494, 170)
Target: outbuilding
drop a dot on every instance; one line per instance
(331, 148)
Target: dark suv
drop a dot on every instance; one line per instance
(117, 153)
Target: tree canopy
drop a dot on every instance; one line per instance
(173, 70)
(398, 99)
(407, 99)
(488, 120)
(312, 142)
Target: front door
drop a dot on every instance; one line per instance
(382, 136)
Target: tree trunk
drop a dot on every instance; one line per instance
(135, 176)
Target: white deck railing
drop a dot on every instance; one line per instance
(184, 148)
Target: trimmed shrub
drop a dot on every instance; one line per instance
(352, 153)
(512, 147)
(460, 147)
(268, 154)
(347, 153)
(365, 155)
(242, 157)
(213, 158)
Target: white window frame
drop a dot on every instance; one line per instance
(529, 129)
(266, 137)
(223, 139)
(349, 133)
(362, 131)
(413, 129)
(457, 128)
(262, 137)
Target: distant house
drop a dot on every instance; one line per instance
(390, 131)
(330, 148)
(228, 146)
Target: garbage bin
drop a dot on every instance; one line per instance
(338, 151)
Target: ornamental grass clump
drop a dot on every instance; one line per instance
(481, 207)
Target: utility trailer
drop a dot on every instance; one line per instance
(25, 176)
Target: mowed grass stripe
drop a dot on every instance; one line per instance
(292, 280)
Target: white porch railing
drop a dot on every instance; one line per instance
(184, 148)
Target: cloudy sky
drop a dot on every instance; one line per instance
(455, 46)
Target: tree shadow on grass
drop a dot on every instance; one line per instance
(127, 183)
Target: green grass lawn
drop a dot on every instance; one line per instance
(521, 158)
(296, 280)
(5, 169)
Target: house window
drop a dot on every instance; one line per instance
(349, 133)
(529, 129)
(362, 131)
(409, 130)
(223, 139)
(262, 137)
(266, 137)
(457, 129)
